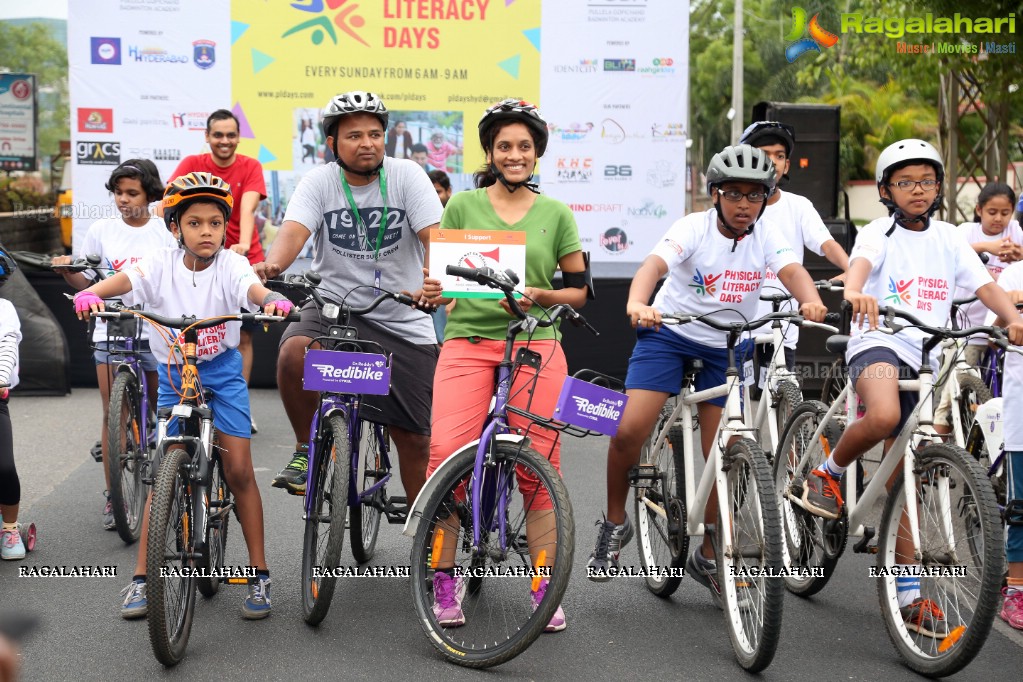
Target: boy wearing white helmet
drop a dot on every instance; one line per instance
(712, 248)
(906, 260)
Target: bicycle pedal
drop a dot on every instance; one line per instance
(863, 546)
(296, 493)
(643, 472)
(395, 513)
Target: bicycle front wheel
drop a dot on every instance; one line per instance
(660, 511)
(961, 563)
(325, 524)
(752, 597)
(364, 517)
(125, 456)
(170, 585)
(216, 529)
(811, 544)
(525, 521)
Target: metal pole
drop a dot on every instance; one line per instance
(737, 105)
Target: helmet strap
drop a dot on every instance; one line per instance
(512, 186)
(366, 174)
(737, 236)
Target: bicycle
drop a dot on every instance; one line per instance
(131, 419)
(191, 500)
(468, 514)
(349, 462)
(669, 507)
(950, 509)
(964, 386)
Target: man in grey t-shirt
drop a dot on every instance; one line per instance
(381, 245)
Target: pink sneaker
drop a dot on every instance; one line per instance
(447, 599)
(1012, 608)
(557, 622)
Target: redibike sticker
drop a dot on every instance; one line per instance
(336, 371)
(590, 406)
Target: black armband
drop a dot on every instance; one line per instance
(273, 296)
(578, 280)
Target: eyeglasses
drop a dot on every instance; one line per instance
(735, 195)
(909, 185)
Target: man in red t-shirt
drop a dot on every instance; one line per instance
(245, 176)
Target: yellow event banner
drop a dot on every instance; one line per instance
(436, 64)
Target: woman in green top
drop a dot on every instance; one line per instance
(513, 136)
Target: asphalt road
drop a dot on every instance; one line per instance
(617, 630)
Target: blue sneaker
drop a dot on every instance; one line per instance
(257, 604)
(135, 605)
(11, 545)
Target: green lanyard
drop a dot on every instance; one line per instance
(358, 216)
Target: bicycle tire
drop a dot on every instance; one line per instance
(787, 397)
(364, 518)
(125, 456)
(212, 559)
(662, 540)
(834, 381)
(975, 523)
(321, 552)
(170, 598)
(810, 542)
(752, 601)
(973, 393)
(503, 602)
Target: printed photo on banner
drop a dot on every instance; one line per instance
(433, 139)
(499, 250)
(309, 147)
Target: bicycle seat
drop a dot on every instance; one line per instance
(775, 298)
(837, 343)
(693, 366)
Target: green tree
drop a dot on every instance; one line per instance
(31, 49)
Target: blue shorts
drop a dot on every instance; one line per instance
(1014, 491)
(659, 359)
(223, 376)
(102, 355)
(886, 356)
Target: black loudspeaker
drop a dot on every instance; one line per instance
(813, 170)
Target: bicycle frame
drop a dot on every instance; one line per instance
(129, 361)
(777, 372)
(951, 387)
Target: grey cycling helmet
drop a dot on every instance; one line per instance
(354, 102)
(741, 163)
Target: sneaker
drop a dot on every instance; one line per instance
(604, 558)
(255, 430)
(818, 494)
(293, 476)
(108, 514)
(135, 604)
(448, 592)
(924, 616)
(705, 572)
(11, 546)
(557, 622)
(1012, 608)
(97, 451)
(257, 604)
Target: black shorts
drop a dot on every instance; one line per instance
(886, 356)
(408, 404)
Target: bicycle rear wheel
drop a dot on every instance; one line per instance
(325, 525)
(973, 393)
(812, 544)
(660, 510)
(364, 518)
(170, 585)
(752, 601)
(216, 529)
(787, 397)
(961, 535)
(500, 618)
(125, 456)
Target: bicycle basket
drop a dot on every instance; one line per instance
(591, 401)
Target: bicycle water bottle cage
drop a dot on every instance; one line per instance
(1014, 513)
(529, 358)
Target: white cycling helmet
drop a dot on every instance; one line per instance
(903, 153)
(354, 102)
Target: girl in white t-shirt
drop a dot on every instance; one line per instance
(11, 545)
(994, 232)
(121, 242)
(907, 260)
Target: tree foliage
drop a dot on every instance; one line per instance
(30, 48)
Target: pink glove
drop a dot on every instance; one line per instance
(284, 307)
(84, 300)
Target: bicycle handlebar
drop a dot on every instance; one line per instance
(890, 313)
(739, 327)
(309, 281)
(506, 281)
(121, 313)
(90, 262)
